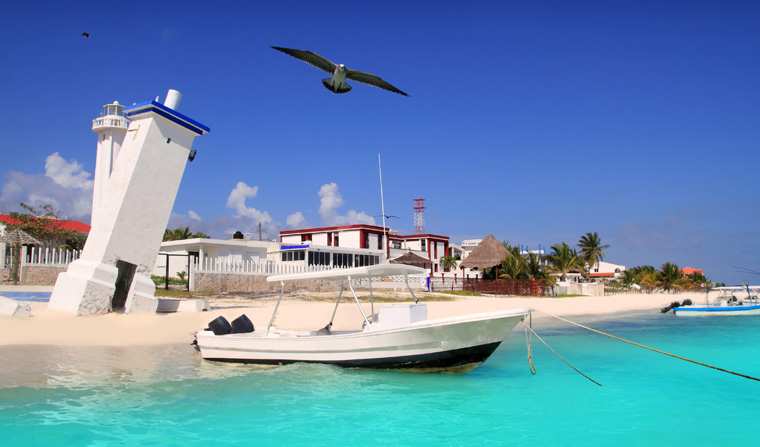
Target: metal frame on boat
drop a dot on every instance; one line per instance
(394, 337)
(726, 303)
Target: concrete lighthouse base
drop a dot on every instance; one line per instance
(86, 288)
(141, 299)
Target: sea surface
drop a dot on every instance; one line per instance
(170, 397)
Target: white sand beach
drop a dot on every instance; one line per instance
(52, 348)
(51, 327)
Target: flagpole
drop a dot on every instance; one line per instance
(382, 206)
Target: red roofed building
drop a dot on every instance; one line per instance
(691, 271)
(5, 249)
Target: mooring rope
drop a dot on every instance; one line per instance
(529, 343)
(555, 353)
(647, 347)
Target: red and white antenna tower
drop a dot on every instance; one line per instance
(419, 216)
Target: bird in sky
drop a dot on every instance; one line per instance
(337, 83)
(86, 34)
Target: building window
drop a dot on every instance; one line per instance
(422, 244)
(379, 241)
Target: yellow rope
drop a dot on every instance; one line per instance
(529, 342)
(560, 357)
(647, 347)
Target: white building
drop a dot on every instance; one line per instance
(606, 271)
(178, 256)
(380, 244)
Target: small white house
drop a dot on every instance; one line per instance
(606, 271)
(177, 255)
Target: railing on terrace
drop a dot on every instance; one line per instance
(52, 257)
(266, 268)
(518, 287)
(621, 291)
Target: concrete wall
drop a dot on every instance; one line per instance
(232, 282)
(40, 275)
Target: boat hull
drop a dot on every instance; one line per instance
(457, 344)
(704, 311)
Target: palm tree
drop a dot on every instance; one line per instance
(592, 249)
(178, 234)
(513, 267)
(447, 263)
(670, 276)
(629, 278)
(650, 280)
(564, 259)
(534, 268)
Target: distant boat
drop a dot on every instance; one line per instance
(727, 303)
(396, 337)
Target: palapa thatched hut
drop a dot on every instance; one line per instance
(17, 238)
(412, 259)
(489, 253)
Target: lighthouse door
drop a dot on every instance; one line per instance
(123, 281)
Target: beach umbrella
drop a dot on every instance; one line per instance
(489, 253)
(17, 237)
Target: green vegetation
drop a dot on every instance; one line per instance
(161, 281)
(458, 293)
(182, 233)
(180, 294)
(591, 249)
(448, 263)
(668, 279)
(564, 260)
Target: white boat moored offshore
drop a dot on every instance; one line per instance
(726, 303)
(396, 337)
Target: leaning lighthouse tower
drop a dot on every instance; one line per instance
(111, 128)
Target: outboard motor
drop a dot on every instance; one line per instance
(242, 325)
(673, 305)
(220, 326)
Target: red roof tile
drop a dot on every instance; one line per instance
(75, 225)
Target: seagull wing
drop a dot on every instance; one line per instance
(370, 79)
(310, 58)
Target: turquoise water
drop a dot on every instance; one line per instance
(646, 398)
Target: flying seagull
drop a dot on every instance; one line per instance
(337, 83)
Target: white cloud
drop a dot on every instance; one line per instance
(236, 201)
(65, 186)
(330, 200)
(193, 215)
(295, 220)
(67, 174)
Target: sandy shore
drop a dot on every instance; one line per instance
(53, 349)
(51, 327)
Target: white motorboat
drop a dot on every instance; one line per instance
(396, 337)
(726, 303)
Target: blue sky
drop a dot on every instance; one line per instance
(534, 121)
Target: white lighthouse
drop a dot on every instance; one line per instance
(131, 213)
(111, 128)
